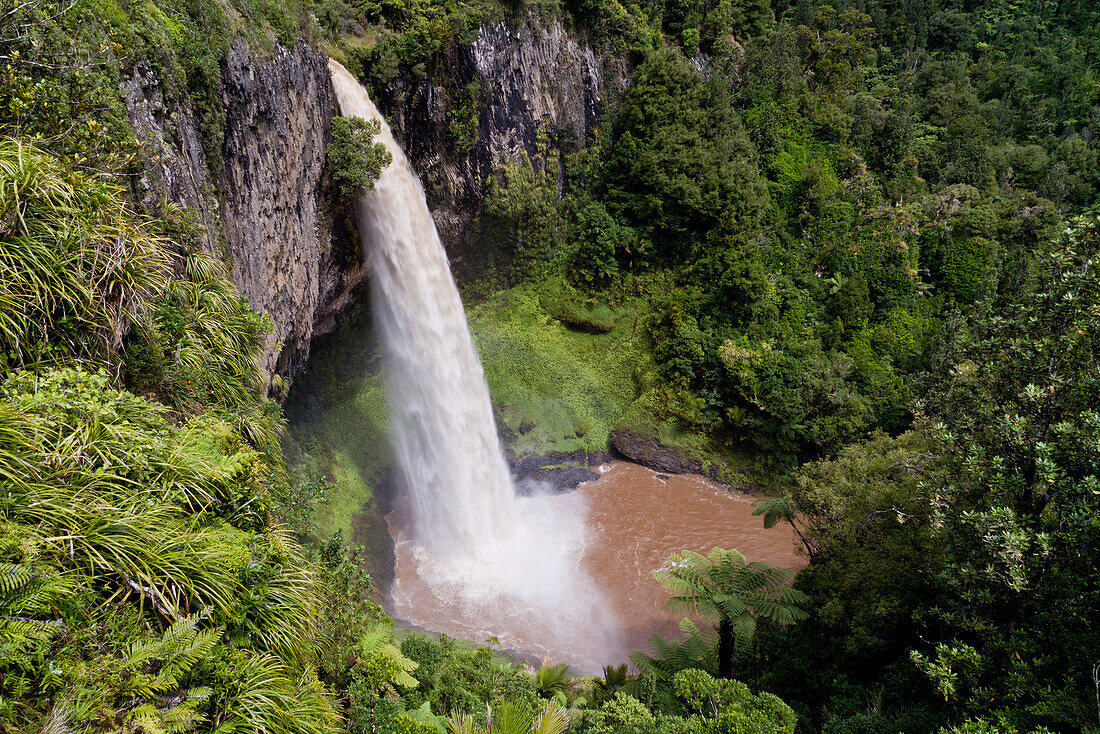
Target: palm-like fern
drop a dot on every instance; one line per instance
(615, 678)
(727, 590)
(781, 509)
(382, 663)
(669, 657)
(552, 679)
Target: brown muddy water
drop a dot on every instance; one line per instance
(636, 519)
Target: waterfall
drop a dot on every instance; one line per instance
(498, 561)
(444, 436)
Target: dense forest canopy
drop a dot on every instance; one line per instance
(866, 238)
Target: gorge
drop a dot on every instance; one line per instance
(473, 558)
(646, 279)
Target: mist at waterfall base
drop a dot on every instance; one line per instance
(502, 562)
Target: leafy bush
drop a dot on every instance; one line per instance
(601, 242)
(355, 161)
(108, 495)
(522, 212)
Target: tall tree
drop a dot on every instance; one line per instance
(1020, 511)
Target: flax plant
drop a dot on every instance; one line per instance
(77, 268)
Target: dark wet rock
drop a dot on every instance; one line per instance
(268, 207)
(531, 75)
(647, 450)
(556, 471)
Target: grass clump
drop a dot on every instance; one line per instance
(597, 319)
(111, 504)
(146, 579)
(76, 269)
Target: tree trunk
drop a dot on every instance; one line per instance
(725, 649)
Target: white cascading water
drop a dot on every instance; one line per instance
(512, 567)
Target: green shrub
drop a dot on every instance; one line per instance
(522, 212)
(355, 161)
(130, 511)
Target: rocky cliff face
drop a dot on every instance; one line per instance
(265, 211)
(527, 76)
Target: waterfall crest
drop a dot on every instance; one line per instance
(507, 566)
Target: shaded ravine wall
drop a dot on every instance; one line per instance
(269, 212)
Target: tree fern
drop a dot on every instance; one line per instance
(387, 665)
(728, 591)
(669, 657)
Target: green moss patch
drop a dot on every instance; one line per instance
(556, 388)
(338, 420)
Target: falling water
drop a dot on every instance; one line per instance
(490, 556)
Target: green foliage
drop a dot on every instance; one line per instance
(147, 586)
(623, 713)
(548, 365)
(656, 672)
(865, 522)
(1019, 506)
(552, 679)
(354, 160)
(109, 498)
(392, 43)
(381, 665)
(513, 717)
(465, 117)
(727, 705)
(915, 160)
(522, 213)
(602, 242)
(76, 268)
(63, 64)
(200, 345)
(733, 594)
(701, 704)
(346, 610)
(463, 681)
(680, 164)
(615, 678)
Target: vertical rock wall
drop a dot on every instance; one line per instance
(266, 212)
(277, 223)
(532, 76)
